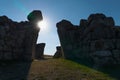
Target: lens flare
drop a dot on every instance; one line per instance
(43, 25)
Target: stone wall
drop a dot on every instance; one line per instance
(96, 38)
(18, 39)
(40, 51)
(58, 53)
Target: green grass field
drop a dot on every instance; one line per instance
(50, 69)
(60, 69)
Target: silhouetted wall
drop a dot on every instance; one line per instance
(96, 39)
(18, 39)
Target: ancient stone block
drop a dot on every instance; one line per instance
(102, 53)
(83, 24)
(118, 33)
(1, 47)
(2, 42)
(116, 54)
(118, 43)
(1, 55)
(69, 47)
(6, 48)
(39, 54)
(35, 16)
(103, 62)
(103, 57)
(7, 56)
(101, 19)
(109, 44)
(89, 37)
(58, 53)
(92, 46)
(2, 32)
(109, 21)
(85, 51)
(96, 17)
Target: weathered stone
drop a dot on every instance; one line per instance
(109, 44)
(69, 47)
(35, 16)
(39, 54)
(85, 51)
(109, 21)
(98, 34)
(102, 58)
(7, 56)
(88, 37)
(102, 53)
(65, 24)
(2, 32)
(117, 31)
(1, 55)
(100, 19)
(116, 54)
(92, 46)
(58, 53)
(118, 43)
(1, 47)
(83, 24)
(19, 39)
(103, 62)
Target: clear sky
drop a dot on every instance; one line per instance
(56, 10)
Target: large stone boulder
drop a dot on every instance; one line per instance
(35, 16)
(102, 57)
(100, 19)
(116, 56)
(83, 24)
(40, 51)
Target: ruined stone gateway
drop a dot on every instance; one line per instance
(18, 39)
(96, 39)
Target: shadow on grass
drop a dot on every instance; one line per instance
(111, 70)
(14, 70)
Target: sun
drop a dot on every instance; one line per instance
(43, 25)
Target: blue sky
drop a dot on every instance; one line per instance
(56, 10)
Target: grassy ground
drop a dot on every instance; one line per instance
(60, 69)
(50, 69)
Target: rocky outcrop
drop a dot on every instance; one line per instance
(18, 39)
(96, 38)
(40, 51)
(58, 53)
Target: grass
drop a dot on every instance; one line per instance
(52, 69)
(61, 69)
